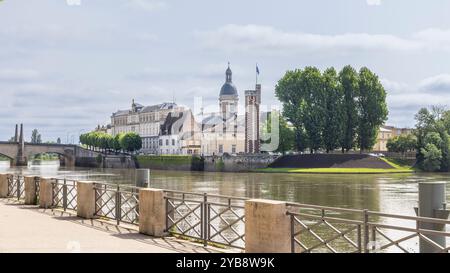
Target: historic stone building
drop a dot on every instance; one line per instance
(144, 120)
(223, 132)
(170, 129)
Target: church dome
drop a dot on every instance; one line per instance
(228, 88)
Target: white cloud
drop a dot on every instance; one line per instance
(18, 74)
(436, 84)
(267, 39)
(373, 2)
(148, 5)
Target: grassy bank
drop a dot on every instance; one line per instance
(397, 168)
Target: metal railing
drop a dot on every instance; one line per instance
(328, 229)
(16, 186)
(64, 194)
(120, 203)
(210, 218)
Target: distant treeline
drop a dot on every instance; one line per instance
(100, 141)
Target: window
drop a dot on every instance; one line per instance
(173, 142)
(220, 148)
(233, 149)
(160, 142)
(167, 142)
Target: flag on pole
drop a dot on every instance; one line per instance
(257, 69)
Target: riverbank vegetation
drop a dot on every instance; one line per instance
(99, 141)
(394, 166)
(332, 110)
(46, 157)
(433, 139)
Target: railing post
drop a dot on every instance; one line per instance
(30, 190)
(18, 187)
(3, 185)
(64, 193)
(45, 193)
(292, 233)
(366, 231)
(152, 212)
(85, 199)
(204, 220)
(118, 203)
(267, 227)
(10, 182)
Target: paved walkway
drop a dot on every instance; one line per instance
(30, 229)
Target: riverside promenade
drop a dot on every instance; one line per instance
(25, 228)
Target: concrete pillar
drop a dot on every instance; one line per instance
(432, 198)
(45, 192)
(86, 199)
(267, 227)
(152, 212)
(142, 178)
(30, 190)
(3, 185)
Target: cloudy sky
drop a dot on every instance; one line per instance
(65, 68)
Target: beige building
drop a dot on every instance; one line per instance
(387, 132)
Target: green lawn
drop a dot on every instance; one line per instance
(397, 169)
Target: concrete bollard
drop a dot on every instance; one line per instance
(152, 212)
(86, 199)
(432, 198)
(142, 178)
(46, 193)
(267, 227)
(3, 185)
(30, 190)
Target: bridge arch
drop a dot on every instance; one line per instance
(61, 157)
(11, 159)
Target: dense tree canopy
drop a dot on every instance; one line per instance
(433, 139)
(286, 136)
(333, 110)
(129, 142)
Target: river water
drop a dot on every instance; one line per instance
(390, 193)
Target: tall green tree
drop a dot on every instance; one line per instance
(348, 78)
(372, 108)
(315, 105)
(333, 123)
(130, 142)
(286, 134)
(290, 92)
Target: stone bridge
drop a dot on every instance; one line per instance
(19, 156)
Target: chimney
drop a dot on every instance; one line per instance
(16, 135)
(21, 133)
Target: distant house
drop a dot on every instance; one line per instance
(387, 132)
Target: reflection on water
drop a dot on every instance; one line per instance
(391, 193)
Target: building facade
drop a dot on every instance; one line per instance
(388, 132)
(171, 129)
(144, 120)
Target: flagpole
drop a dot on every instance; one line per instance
(256, 73)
